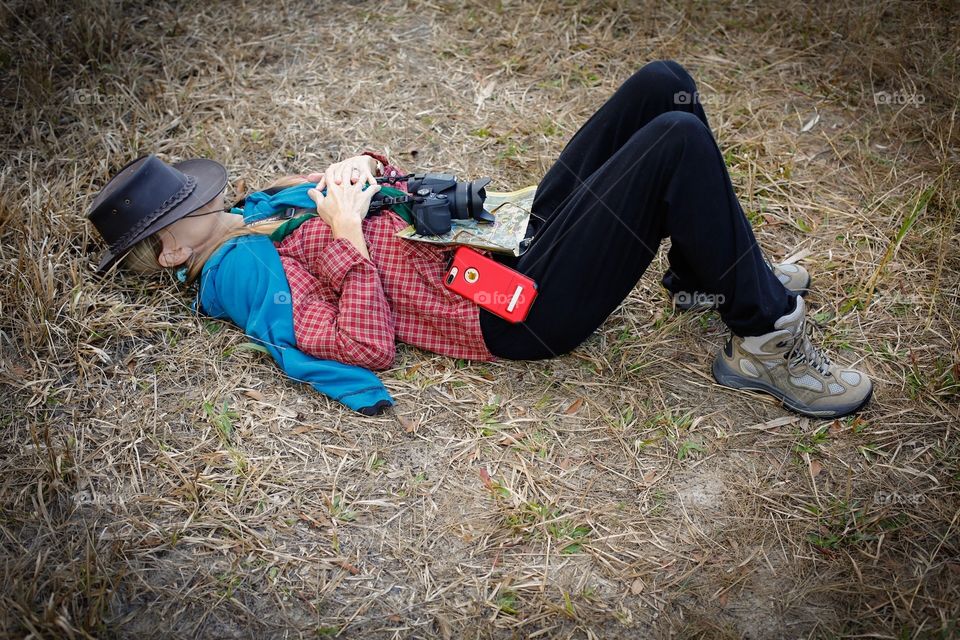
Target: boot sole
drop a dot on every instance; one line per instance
(704, 307)
(728, 378)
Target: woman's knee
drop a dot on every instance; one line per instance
(664, 80)
(680, 126)
(674, 137)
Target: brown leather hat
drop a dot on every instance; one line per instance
(147, 195)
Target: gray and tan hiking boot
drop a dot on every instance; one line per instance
(792, 276)
(785, 364)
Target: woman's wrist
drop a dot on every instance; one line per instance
(352, 232)
(345, 225)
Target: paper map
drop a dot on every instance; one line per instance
(511, 210)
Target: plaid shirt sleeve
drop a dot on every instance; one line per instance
(339, 305)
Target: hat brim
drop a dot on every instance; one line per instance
(211, 179)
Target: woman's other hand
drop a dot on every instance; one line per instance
(355, 170)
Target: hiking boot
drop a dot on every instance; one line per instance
(792, 276)
(785, 364)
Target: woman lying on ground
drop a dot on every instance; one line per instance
(342, 287)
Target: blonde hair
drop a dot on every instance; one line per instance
(144, 257)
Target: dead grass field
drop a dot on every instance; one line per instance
(161, 480)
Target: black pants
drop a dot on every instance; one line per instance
(643, 167)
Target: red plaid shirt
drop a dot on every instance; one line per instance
(352, 310)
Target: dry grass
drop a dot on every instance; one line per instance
(159, 480)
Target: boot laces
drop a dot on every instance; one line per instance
(804, 352)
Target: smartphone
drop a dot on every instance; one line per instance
(491, 285)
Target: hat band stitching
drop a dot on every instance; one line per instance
(164, 207)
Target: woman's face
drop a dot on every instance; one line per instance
(188, 235)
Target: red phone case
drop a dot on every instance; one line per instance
(491, 285)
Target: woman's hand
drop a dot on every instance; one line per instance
(358, 169)
(344, 207)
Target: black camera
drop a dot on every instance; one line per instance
(437, 199)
